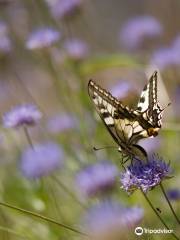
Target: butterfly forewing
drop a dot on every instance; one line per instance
(107, 106)
(119, 120)
(149, 94)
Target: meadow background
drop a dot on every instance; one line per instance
(48, 52)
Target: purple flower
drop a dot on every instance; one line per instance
(137, 30)
(121, 89)
(150, 144)
(5, 42)
(60, 123)
(64, 8)
(76, 49)
(165, 57)
(110, 220)
(41, 160)
(97, 178)
(43, 38)
(22, 115)
(144, 175)
(173, 194)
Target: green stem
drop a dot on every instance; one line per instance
(60, 184)
(58, 81)
(47, 219)
(169, 203)
(157, 214)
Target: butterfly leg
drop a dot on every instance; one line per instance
(125, 159)
(133, 159)
(122, 160)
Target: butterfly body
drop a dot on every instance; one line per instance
(125, 125)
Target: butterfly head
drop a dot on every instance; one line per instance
(153, 132)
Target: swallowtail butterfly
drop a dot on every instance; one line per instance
(128, 126)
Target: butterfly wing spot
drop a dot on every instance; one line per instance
(144, 134)
(135, 124)
(145, 88)
(142, 99)
(110, 108)
(145, 116)
(128, 131)
(139, 109)
(104, 112)
(138, 129)
(96, 101)
(109, 121)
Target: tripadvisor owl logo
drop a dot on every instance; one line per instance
(138, 231)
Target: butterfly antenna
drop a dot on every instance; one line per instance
(101, 148)
(165, 107)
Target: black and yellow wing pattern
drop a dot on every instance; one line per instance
(119, 120)
(127, 126)
(148, 107)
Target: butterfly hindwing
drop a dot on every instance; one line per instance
(148, 103)
(149, 94)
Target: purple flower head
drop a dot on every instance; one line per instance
(76, 49)
(137, 30)
(121, 89)
(42, 38)
(165, 57)
(97, 178)
(61, 122)
(41, 160)
(110, 220)
(150, 144)
(63, 9)
(22, 115)
(174, 194)
(5, 42)
(144, 175)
